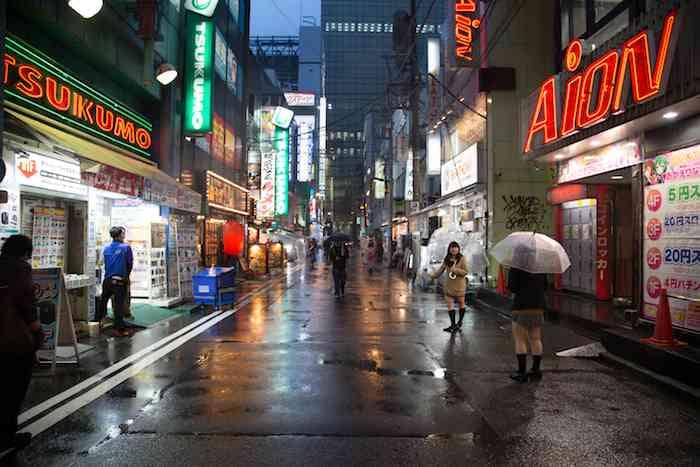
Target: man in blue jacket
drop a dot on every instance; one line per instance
(119, 261)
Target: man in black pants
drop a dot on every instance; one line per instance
(119, 261)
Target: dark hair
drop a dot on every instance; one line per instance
(17, 245)
(115, 232)
(459, 255)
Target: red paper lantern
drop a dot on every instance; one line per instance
(234, 238)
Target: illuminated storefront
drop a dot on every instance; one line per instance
(620, 125)
(80, 162)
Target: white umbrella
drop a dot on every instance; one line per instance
(532, 252)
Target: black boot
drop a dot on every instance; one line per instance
(535, 373)
(462, 312)
(452, 321)
(520, 376)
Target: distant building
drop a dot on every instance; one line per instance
(357, 45)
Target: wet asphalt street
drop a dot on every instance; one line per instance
(296, 377)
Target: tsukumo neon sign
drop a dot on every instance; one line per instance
(603, 87)
(36, 82)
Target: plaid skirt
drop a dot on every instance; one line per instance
(531, 317)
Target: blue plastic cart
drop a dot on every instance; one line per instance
(214, 287)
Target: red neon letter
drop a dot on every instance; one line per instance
(544, 117)
(124, 130)
(465, 6)
(9, 60)
(63, 102)
(573, 92)
(635, 52)
(29, 86)
(104, 118)
(82, 107)
(143, 138)
(607, 65)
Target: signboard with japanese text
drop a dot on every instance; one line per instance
(266, 208)
(111, 179)
(281, 171)
(201, 7)
(460, 171)
(218, 134)
(603, 245)
(48, 173)
(230, 159)
(300, 99)
(225, 195)
(305, 146)
(609, 158)
(672, 235)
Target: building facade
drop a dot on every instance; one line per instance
(623, 139)
(357, 51)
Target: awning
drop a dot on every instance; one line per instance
(95, 152)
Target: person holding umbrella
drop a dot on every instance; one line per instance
(455, 286)
(530, 257)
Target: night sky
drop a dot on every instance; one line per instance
(267, 20)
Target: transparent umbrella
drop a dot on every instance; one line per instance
(532, 252)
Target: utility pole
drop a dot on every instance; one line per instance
(415, 118)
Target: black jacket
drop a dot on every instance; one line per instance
(16, 276)
(528, 289)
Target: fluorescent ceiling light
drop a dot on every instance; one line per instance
(670, 115)
(559, 157)
(166, 74)
(617, 177)
(86, 8)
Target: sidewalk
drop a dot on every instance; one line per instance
(99, 353)
(618, 330)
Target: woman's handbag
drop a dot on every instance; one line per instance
(15, 335)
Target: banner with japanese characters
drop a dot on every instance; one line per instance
(672, 235)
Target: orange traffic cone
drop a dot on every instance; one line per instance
(501, 287)
(663, 332)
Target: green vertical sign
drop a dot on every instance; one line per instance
(199, 65)
(281, 171)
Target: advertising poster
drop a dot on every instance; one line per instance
(217, 138)
(672, 235)
(48, 173)
(267, 164)
(230, 147)
(461, 171)
(47, 291)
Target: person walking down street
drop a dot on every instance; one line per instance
(528, 316)
(311, 251)
(339, 257)
(119, 261)
(455, 288)
(20, 335)
(371, 256)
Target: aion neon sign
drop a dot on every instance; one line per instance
(640, 67)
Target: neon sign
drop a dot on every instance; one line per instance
(467, 31)
(281, 171)
(603, 87)
(34, 81)
(198, 75)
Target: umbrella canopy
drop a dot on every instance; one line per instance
(532, 252)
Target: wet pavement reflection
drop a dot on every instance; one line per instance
(298, 377)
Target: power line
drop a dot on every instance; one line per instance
(289, 20)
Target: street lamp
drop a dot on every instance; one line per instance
(166, 74)
(86, 8)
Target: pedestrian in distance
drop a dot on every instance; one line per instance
(527, 316)
(455, 288)
(20, 335)
(339, 257)
(119, 261)
(311, 251)
(371, 255)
